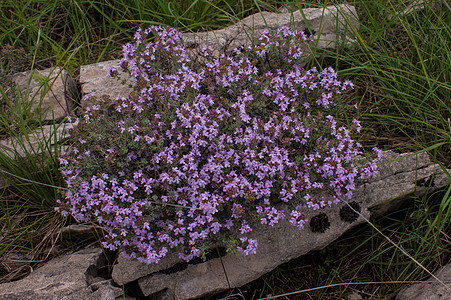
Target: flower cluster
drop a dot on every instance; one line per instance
(194, 157)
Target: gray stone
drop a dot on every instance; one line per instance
(51, 91)
(94, 80)
(68, 277)
(45, 137)
(408, 10)
(332, 25)
(81, 232)
(430, 289)
(50, 94)
(326, 22)
(127, 270)
(401, 176)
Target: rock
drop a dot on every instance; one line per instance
(355, 296)
(127, 270)
(44, 137)
(400, 177)
(409, 9)
(94, 80)
(52, 91)
(80, 232)
(325, 23)
(430, 289)
(405, 175)
(71, 276)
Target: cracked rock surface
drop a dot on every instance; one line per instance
(322, 23)
(55, 86)
(430, 289)
(401, 176)
(71, 276)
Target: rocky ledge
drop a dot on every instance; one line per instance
(77, 276)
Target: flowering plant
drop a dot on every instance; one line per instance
(191, 156)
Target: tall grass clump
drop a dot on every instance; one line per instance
(96, 30)
(29, 176)
(401, 64)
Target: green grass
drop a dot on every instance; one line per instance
(408, 62)
(29, 169)
(400, 65)
(95, 30)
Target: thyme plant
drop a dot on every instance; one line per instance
(195, 156)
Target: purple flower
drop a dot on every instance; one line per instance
(63, 161)
(191, 154)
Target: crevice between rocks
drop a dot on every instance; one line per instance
(212, 254)
(102, 268)
(426, 182)
(77, 93)
(132, 289)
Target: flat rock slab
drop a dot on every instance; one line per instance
(38, 139)
(329, 26)
(51, 91)
(400, 177)
(332, 26)
(430, 289)
(94, 80)
(68, 277)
